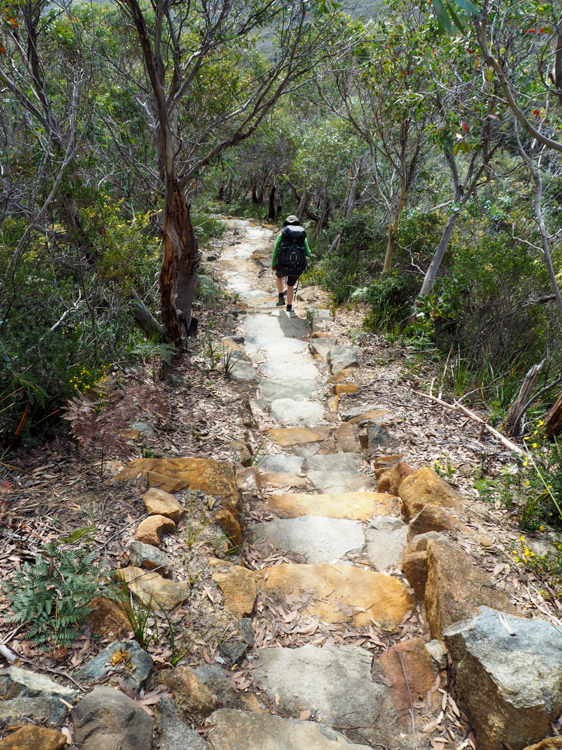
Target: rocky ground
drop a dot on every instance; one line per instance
(308, 580)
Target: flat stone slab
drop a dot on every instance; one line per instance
(279, 349)
(270, 390)
(282, 462)
(386, 542)
(242, 730)
(300, 370)
(29, 695)
(333, 682)
(305, 413)
(287, 436)
(361, 411)
(276, 480)
(282, 326)
(357, 506)
(134, 667)
(243, 370)
(152, 588)
(366, 593)
(340, 481)
(314, 539)
(322, 346)
(334, 462)
(341, 357)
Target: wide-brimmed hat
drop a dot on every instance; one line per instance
(292, 219)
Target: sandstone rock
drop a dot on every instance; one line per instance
(364, 593)
(230, 526)
(438, 652)
(125, 658)
(191, 695)
(176, 734)
(282, 463)
(303, 413)
(108, 619)
(410, 657)
(433, 518)
(386, 541)
(108, 719)
(510, 685)
(241, 730)
(414, 564)
(247, 480)
(159, 503)
(424, 486)
(550, 743)
(243, 371)
(456, 588)
(391, 479)
(205, 474)
(359, 412)
(322, 346)
(340, 388)
(347, 439)
(341, 357)
(31, 737)
(377, 437)
(280, 479)
(287, 436)
(239, 588)
(271, 390)
(149, 557)
(339, 377)
(340, 481)
(333, 404)
(151, 587)
(333, 462)
(357, 506)
(151, 529)
(218, 683)
(28, 695)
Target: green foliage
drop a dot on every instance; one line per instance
(51, 595)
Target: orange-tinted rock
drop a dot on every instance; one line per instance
(151, 529)
(160, 503)
(433, 518)
(31, 737)
(279, 479)
(333, 404)
(108, 619)
(340, 388)
(412, 658)
(356, 506)
(287, 436)
(190, 694)
(414, 564)
(346, 436)
(424, 486)
(230, 525)
(340, 376)
(391, 479)
(550, 743)
(239, 588)
(151, 588)
(205, 474)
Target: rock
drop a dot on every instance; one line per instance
(340, 481)
(271, 390)
(359, 412)
(176, 734)
(247, 480)
(305, 413)
(218, 683)
(410, 657)
(125, 658)
(367, 416)
(108, 619)
(243, 371)
(235, 649)
(151, 529)
(149, 557)
(301, 368)
(334, 462)
(550, 743)
(333, 404)
(433, 518)
(391, 479)
(346, 437)
(282, 462)
(240, 730)
(357, 506)
(342, 357)
(377, 436)
(510, 685)
(322, 346)
(31, 737)
(205, 474)
(152, 587)
(159, 503)
(108, 719)
(143, 427)
(281, 479)
(339, 377)
(239, 588)
(311, 539)
(340, 388)
(423, 487)
(446, 599)
(438, 652)
(386, 542)
(342, 593)
(414, 564)
(28, 695)
(287, 436)
(230, 526)
(191, 695)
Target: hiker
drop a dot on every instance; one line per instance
(289, 258)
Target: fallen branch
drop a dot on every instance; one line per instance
(459, 407)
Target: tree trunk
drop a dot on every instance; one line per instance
(431, 273)
(271, 209)
(303, 205)
(553, 420)
(393, 229)
(324, 215)
(512, 425)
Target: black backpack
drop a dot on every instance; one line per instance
(291, 256)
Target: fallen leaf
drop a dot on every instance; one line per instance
(305, 715)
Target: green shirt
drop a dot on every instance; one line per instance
(278, 242)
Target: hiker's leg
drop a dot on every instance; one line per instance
(290, 292)
(280, 284)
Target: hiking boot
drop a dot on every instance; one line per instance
(289, 308)
(281, 300)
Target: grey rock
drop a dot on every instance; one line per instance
(282, 462)
(320, 313)
(303, 413)
(357, 411)
(237, 339)
(334, 462)
(307, 450)
(28, 695)
(438, 653)
(510, 685)
(377, 437)
(322, 346)
(230, 323)
(389, 523)
(386, 546)
(270, 390)
(149, 557)
(340, 481)
(176, 734)
(144, 427)
(108, 719)
(235, 650)
(241, 730)
(135, 671)
(216, 680)
(299, 370)
(243, 371)
(313, 539)
(276, 324)
(246, 630)
(339, 357)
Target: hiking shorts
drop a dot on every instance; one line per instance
(291, 280)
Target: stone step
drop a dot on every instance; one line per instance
(341, 481)
(357, 506)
